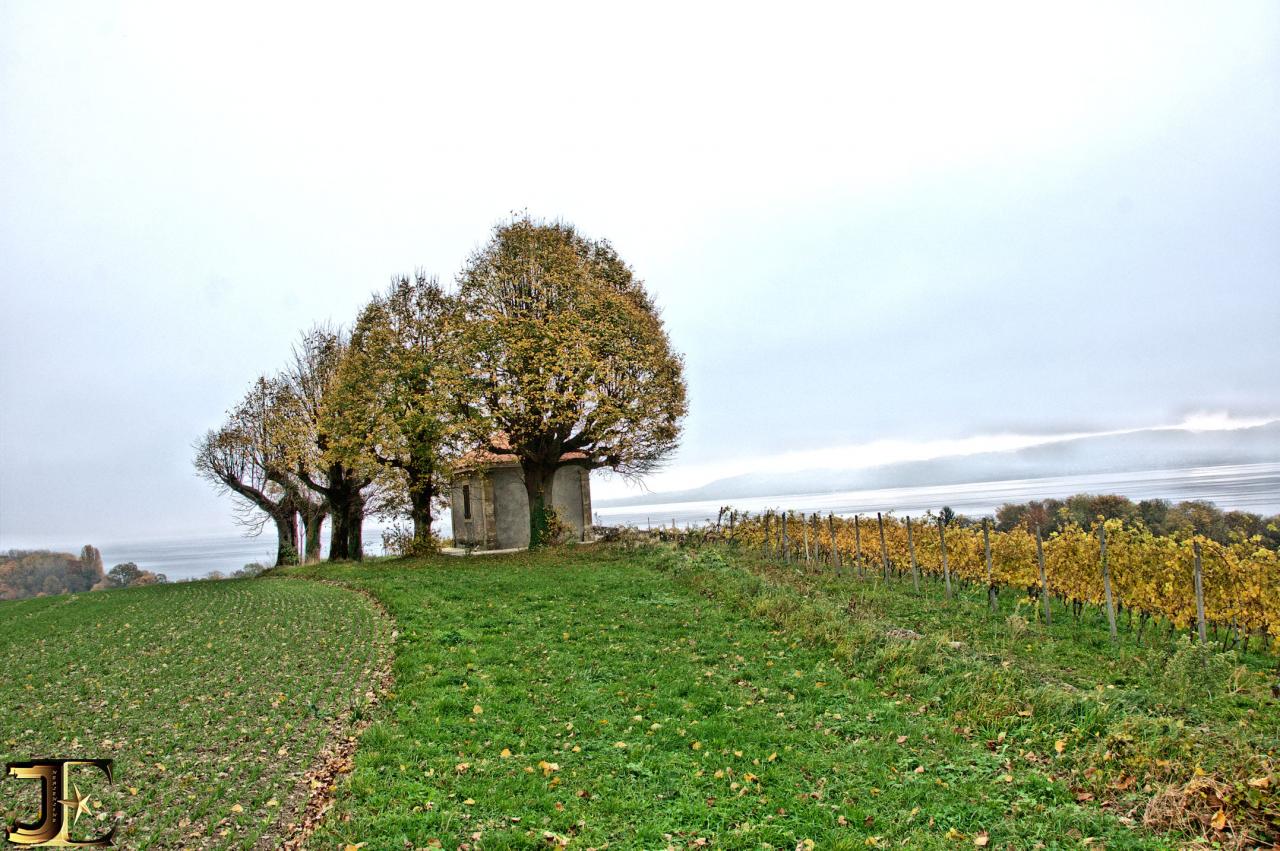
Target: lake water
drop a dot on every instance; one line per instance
(196, 556)
(1253, 487)
(1247, 487)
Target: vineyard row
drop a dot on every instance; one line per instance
(1191, 581)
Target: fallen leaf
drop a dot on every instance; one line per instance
(1219, 820)
(981, 839)
(1060, 746)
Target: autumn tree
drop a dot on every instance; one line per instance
(389, 400)
(338, 478)
(565, 355)
(123, 575)
(33, 573)
(1037, 514)
(129, 575)
(250, 457)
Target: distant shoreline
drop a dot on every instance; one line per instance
(1244, 487)
(1238, 487)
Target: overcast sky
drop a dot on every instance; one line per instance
(897, 222)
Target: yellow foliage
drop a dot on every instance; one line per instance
(1149, 573)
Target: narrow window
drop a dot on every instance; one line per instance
(466, 502)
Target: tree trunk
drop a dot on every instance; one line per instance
(311, 513)
(286, 537)
(346, 510)
(339, 528)
(538, 482)
(313, 528)
(421, 493)
(355, 526)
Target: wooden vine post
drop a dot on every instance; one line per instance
(805, 524)
(1199, 578)
(786, 550)
(768, 550)
(857, 543)
(946, 568)
(1044, 582)
(986, 546)
(835, 550)
(884, 550)
(1106, 582)
(911, 548)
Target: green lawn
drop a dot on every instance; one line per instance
(212, 698)
(648, 699)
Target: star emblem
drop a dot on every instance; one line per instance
(78, 803)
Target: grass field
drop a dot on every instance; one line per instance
(653, 699)
(1181, 738)
(648, 698)
(212, 698)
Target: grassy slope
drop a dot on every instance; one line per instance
(207, 695)
(601, 697)
(1184, 737)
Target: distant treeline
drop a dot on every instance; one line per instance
(1159, 516)
(39, 573)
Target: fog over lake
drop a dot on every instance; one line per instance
(1245, 487)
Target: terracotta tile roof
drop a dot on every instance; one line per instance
(485, 458)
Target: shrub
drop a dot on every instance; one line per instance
(398, 540)
(558, 531)
(1196, 671)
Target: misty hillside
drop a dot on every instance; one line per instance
(1145, 450)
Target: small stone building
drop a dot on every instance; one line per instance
(490, 506)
